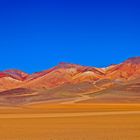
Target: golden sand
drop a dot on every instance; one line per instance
(125, 126)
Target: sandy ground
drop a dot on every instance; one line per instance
(58, 115)
(71, 122)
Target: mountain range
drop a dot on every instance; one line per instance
(72, 83)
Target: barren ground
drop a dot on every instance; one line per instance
(71, 122)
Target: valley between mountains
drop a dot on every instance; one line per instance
(69, 83)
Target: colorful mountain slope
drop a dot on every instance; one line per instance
(71, 81)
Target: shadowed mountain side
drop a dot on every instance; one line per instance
(62, 93)
(123, 93)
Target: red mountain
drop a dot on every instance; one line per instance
(72, 81)
(128, 70)
(62, 74)
(10, 79)
(73, 73)
(16, 74)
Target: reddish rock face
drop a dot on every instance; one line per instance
(16, 74)
(120, 83)
(65, 73)
(10, 79)
(62, 74)
(130, 69)
(2, 74)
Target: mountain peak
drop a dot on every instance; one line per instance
(17, 74)
(134, 60)
(67, 65)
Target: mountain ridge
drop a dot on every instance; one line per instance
(67, 81)
(135, 60)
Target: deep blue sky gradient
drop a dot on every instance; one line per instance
(36, 35)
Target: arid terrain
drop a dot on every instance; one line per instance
(71, 83)
(71, 122)
(71, 102)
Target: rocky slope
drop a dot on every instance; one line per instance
(69, 81)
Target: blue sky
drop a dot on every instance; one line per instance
(36, 35)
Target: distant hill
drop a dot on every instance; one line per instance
(72, 83)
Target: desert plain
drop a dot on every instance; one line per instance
(70, 122)
(71, 102)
